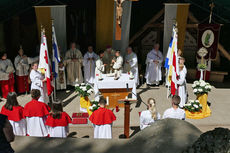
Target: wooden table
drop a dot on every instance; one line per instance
(127, 103)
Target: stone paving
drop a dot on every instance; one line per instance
(219, 99)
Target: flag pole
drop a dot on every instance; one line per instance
(55, 96)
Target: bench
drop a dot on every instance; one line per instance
(215, 76)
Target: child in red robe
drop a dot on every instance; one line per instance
(58, 121)
(102, 120)
(36, 113)
(15, 114)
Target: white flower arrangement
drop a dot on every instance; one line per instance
(94, 105)
(83, 90)
(201, 87)
(193, 106)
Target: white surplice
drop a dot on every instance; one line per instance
(58, 131)
(36, 126)
(19, 127)
(22, 66)
(103, 131)
(36, 83)
(131, 65)
(146, 119)
(6, 67)
(182, 92)
(118, 64)
(153, 71)
(100, 68)
(89, 67)
(174, 113)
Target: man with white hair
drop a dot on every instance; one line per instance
(131, 64)
(153, 69)
(89, 65)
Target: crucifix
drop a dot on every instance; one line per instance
(119, 13)
(211, 10)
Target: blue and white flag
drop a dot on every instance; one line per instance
(56, 56)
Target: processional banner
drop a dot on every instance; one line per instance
(208, 37)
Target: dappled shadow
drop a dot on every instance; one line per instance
(63, 94)
(65, 103)
(139, 99)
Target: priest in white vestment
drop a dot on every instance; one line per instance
(89, 65)
(117, 64)
(175, 112)
(131, 64)
(100, 66)
(38, 81)
(73, 62)
(6, 75)
(109, 55)
(22, 71)
(153, 69)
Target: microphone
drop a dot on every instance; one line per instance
(127, 88)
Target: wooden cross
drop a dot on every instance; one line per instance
(211, 10)
(119, 12)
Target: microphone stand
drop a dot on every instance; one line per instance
(127, 88)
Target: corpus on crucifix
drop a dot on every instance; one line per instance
(119, 13)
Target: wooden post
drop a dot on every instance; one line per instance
(127, 119)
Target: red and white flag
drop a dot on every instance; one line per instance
(44, 64)
(175, 69)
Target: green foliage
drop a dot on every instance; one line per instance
(193, 106)
(83, 90)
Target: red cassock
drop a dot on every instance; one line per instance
(7, 85)
(102, 116)
(35, 108)
(64, 120)
(22, 84)
(15, 115)
(206, 75)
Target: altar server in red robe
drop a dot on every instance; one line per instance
(58, 121)
(15, 114)
(36, 113)
(6, 75)
(102, 120)
(22, 71)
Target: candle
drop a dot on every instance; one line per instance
(107, 100)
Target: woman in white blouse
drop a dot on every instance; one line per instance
(149, 116)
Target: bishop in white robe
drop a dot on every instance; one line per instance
(153, 69)
(131, 64)
(73, 62)
(89, 65)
